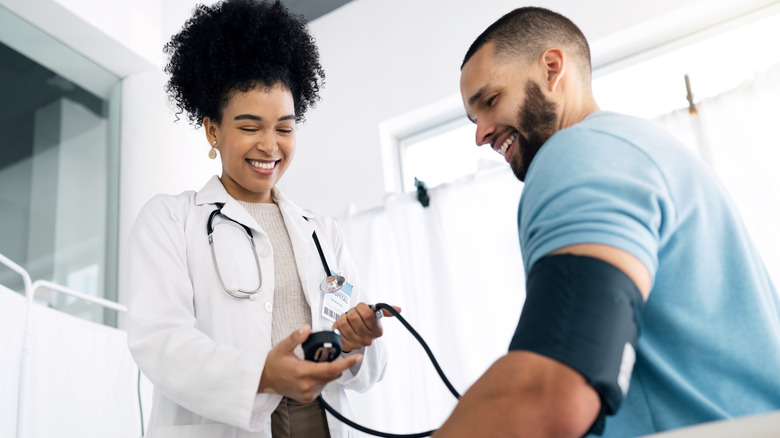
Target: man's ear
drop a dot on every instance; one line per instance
(554, 64)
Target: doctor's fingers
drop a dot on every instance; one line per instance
(354, 341)
(312, 374)
(307, 396)
(328, 371)
(303, 390)
(355, 334)
(364, 321)
(386, 312)
(288, 344)
(303, 380)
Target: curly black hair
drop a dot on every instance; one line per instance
(234, 46)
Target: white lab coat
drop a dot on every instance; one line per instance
(205, 350)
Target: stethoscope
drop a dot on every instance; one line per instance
(332, 282)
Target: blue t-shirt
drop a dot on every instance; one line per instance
(709, 344)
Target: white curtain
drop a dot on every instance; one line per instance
(456, 270)
(12, 314)
(79, 379)
(737, 133)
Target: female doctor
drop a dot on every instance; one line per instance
(224, 284)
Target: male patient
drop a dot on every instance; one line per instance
(648, 307)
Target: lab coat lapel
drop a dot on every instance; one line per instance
(214, 192)
(235, 211)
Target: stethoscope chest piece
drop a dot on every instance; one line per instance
(332, 283)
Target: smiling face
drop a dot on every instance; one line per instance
(256, 141)
(509, 107)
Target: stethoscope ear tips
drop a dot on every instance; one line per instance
(234, 290)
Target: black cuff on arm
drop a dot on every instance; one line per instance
(583, 312)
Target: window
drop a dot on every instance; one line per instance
(653, 83)
(442, 154)
(59, 167)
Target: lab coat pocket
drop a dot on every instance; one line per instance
(235, 256)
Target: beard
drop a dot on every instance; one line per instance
(536, 116)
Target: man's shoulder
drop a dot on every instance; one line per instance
(605, 127)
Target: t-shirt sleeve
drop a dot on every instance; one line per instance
(586, 186)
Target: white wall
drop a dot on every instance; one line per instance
(158, 154)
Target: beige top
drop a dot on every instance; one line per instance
(291, 311)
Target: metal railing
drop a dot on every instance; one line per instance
(30, 289)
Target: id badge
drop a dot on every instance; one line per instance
(336, 303)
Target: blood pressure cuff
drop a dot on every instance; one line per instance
(583, 312)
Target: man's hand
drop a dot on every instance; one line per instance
(359, 326)
(284, 373)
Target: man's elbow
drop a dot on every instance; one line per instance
(568, 421)
(562, 402)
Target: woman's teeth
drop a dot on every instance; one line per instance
(261, 165)
(508, 142)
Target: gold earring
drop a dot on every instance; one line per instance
(213, 150)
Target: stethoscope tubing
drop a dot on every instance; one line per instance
(237, 293)
(327, 407)
(332, 283)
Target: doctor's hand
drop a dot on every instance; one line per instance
(359, 326)
(285, 374)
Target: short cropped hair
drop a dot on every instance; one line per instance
(525, 33)
(234, 46)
